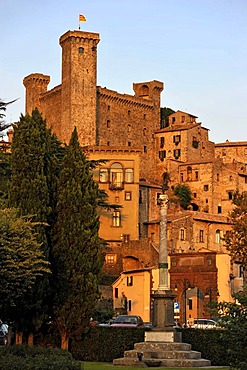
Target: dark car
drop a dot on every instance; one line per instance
(3, 338)
(131, 321)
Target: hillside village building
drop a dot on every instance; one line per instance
(125, 131)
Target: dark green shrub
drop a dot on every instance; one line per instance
(103, 344)
(36, 358)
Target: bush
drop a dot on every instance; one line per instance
(36, 358)
(105, 343)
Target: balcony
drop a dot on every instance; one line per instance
(116, 185)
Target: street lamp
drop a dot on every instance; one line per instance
(187, 286)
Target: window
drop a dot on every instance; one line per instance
(110, 258)
(129, 128)
(129, 280)
(80, 50)
(108, 143)
(144, 116)
(206, 200)
(129, 305)
(128, 195)
(108, 123)
(129, 175)
(230, 195)
(190, 304)
(194, 195)
(157, 198)
(162, 142)
(116, 176)
(103, 175)
(218, 177)
(217, 236)
(108, 107)
(173, 119)
(140, 197)
(128, 112)
(223, 152)
(219, 209)
(176, 153)
(126, 238)
(145, 149)
(189, 173)
(176, 139)
(162, 155)
(182, 234)
(116, 292)
(196, 175)
(116, 219)
(129, 143)
(201, 236)
(181, 177)
(205, 187)
(182, 119)
(116, 199)
(144, 131)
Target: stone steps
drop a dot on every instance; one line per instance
(166, 354)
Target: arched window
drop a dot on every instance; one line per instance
(189, 173)
(116, 176)
(217, 236)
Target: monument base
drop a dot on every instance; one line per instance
(163, 336)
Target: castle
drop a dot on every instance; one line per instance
(125, 131)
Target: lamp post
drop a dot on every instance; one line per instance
(186, 287)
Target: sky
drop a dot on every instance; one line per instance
(197, 48)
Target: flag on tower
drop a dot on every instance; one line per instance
(82, 18)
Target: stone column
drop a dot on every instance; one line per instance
(163, 306)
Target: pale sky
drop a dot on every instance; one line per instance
(197, 48)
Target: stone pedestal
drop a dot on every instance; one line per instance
(163, 318)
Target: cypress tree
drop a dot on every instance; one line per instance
(76, 250)
(33, 192)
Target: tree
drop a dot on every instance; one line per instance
(164, 113)
(21, 262)
(4, 157)
(32, 191)
(3, 107)
(233, 317)
(76, 252)
(236, 238)
(183, 192)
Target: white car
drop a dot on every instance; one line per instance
(204, 324)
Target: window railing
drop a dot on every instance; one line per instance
(116, 185)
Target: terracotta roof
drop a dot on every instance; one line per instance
(179, 128)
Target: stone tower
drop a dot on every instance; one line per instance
(35, 84)
(79, 79)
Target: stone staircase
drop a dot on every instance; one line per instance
(166, 354)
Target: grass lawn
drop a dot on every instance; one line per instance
(109, 366)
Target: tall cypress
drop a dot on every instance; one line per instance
(76, 251)
(32, 192)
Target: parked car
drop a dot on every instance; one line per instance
(131, 321)
(204, 324)
(3, 338)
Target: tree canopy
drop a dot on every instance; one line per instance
(21, 262)
(76, 250)
(236, 238)
(183, 192)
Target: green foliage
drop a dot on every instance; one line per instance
(236, 238)
(164, 113)
(21, 261)
(34, 166)
(233, 318)
(76, 251)
(106, 343)
(183, 192)
(3, 107)
(210, 343)
(29, 358)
